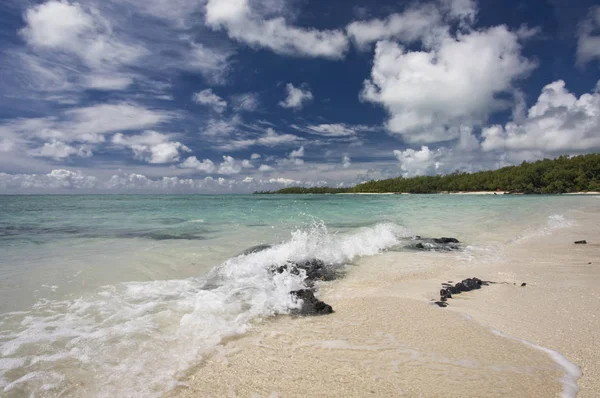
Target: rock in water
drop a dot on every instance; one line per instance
(446, 240)
(436, 244)
(465, 285)
(580, 242)
(310, 304)
(256, 249)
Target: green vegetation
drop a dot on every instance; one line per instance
(561, 175)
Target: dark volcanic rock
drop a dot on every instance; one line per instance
(256, 249)
(310, 304)
(315, 270)
(434, 244)
(580, 242)
(523, 284)
(465, 285)
(446, 240)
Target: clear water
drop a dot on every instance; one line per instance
(119, 295)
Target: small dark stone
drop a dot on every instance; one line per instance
(420, 246)
(580, 242)
(446, 240)
(311, 305)
(589, 263)
(441, 304)
(523, 284)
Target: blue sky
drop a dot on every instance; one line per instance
(243, 95)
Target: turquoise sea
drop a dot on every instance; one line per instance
(118, 295)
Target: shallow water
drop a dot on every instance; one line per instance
(119, 295)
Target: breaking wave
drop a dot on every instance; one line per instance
(138, 338)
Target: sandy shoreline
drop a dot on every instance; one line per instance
(387, 339)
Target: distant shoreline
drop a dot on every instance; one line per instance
(437, 193)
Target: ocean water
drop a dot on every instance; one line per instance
(119, 295)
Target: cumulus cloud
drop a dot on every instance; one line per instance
(558, 122)
(283, 181)
(294, 158)
(346, 161)
(418, 162)
(59, 150)
(255, 156)
(588, 44)
(430, 94)
(257, 28)
(296, 97)
(232, 166)
(421, 22)
(56, 179)
(265, 168)
(152, 146)
(208, 98)
(192, 162)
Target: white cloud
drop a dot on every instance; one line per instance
(420, 22)
(588, 44)
(265, 168)
(213, 63)
(296, 97)
(6, 145)
(255, 28)
(232, 166)
(255, 156)
(59, 150)
(429, 95)
(86, 123)
(557, 123)
(346, 161)
(192, 162)
(56, 179)
(152, 146)
(270, 139)
(247, 102)
(294, 158)
(220, 128)
(283, 181)
(54, 137)
(61, 27)
(208, 98)
(418, 163)
(298, 153)
(229, 166)
(335, 130)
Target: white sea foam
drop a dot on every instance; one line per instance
(137, 338)
(555, 221)
(571, 374)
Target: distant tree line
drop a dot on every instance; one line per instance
(561, 175)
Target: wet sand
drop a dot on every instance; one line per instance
(386, 338)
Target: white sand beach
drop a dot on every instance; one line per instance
(386, 338)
